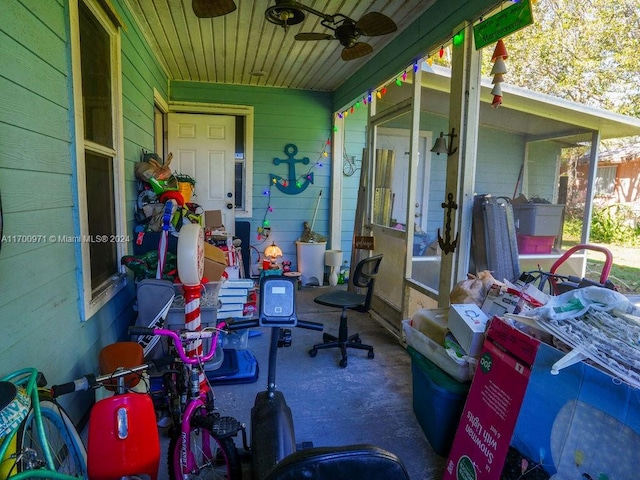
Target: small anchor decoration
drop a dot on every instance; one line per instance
(446, 244)
(291, 186)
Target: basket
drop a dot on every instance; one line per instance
(186, 189)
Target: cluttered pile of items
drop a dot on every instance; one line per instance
(163, 206)
(511, 369)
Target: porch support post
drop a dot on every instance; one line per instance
(414, 158)
(335, 205)
(591, 186)
(464, 110)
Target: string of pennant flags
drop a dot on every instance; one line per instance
(498, 71)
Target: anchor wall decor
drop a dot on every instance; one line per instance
(290, 185)
(446, 244)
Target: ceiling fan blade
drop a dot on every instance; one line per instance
(212, 8)
(375, 23)
(312, 36)
(358, 50)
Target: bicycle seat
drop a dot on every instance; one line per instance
(353, 462)
(121, 355)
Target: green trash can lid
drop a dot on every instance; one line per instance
(437, 375)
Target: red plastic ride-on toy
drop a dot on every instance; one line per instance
(559, 284)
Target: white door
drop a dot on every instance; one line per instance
(203, 147)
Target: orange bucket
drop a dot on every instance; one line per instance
(186, 189)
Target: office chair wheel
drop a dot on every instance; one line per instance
(371, 354)
(343, 363)
(313, 352)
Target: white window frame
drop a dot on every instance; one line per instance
(89, 301)
(160, 137)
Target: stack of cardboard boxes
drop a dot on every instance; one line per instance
(451, 340)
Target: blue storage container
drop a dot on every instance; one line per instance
(438, 400)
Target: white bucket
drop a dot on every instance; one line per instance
(310, 258)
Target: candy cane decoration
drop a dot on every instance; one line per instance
(190, 269)
(192, 322)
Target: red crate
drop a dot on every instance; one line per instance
(535, 244)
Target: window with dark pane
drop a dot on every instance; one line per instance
(95, 58)
(101, 218)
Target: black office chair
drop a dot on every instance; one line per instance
(354, 462)
(363, 277)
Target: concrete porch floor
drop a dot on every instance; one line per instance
(369, 401)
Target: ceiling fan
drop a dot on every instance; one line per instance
(289, 12)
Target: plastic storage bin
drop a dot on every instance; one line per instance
(438, 401)
(237, 340)
(529, 244)
(208, 306)
(432, 322)
(461, 370)
(208, 318)
(538, 219)
(310, 259)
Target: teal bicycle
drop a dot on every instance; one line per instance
(37, 437)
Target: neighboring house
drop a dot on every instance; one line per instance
(617, 177)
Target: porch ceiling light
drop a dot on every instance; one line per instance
(440, 146)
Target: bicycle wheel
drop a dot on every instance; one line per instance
(212, 457)
(65, 444)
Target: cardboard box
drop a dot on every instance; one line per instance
(213, 220)
(513, 298)
(580, 423)
(215, 262)
(468, 323)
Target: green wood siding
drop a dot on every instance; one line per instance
(282, 116)
(39, 313)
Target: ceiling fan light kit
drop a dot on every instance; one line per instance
(286, 13)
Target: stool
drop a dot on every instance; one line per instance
(297, 276)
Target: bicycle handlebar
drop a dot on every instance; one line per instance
(254, 322)
(310, 325)
(91, 381)
(186, 336)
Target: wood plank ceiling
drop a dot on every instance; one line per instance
(244, 48)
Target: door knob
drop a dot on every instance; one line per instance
(229, 205)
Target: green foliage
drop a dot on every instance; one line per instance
(613, 224)
(586, 52)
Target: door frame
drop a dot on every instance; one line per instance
(246, 111)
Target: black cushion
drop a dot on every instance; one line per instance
(353, 462)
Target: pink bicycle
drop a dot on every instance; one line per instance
(203, 446)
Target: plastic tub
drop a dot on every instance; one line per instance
(538, 219)
(529, 244)
(461, 370)
(310, 258)
(238, 339)
(433, 322)
(438, 401)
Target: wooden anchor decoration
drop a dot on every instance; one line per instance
(291, 186)
(446, 244)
